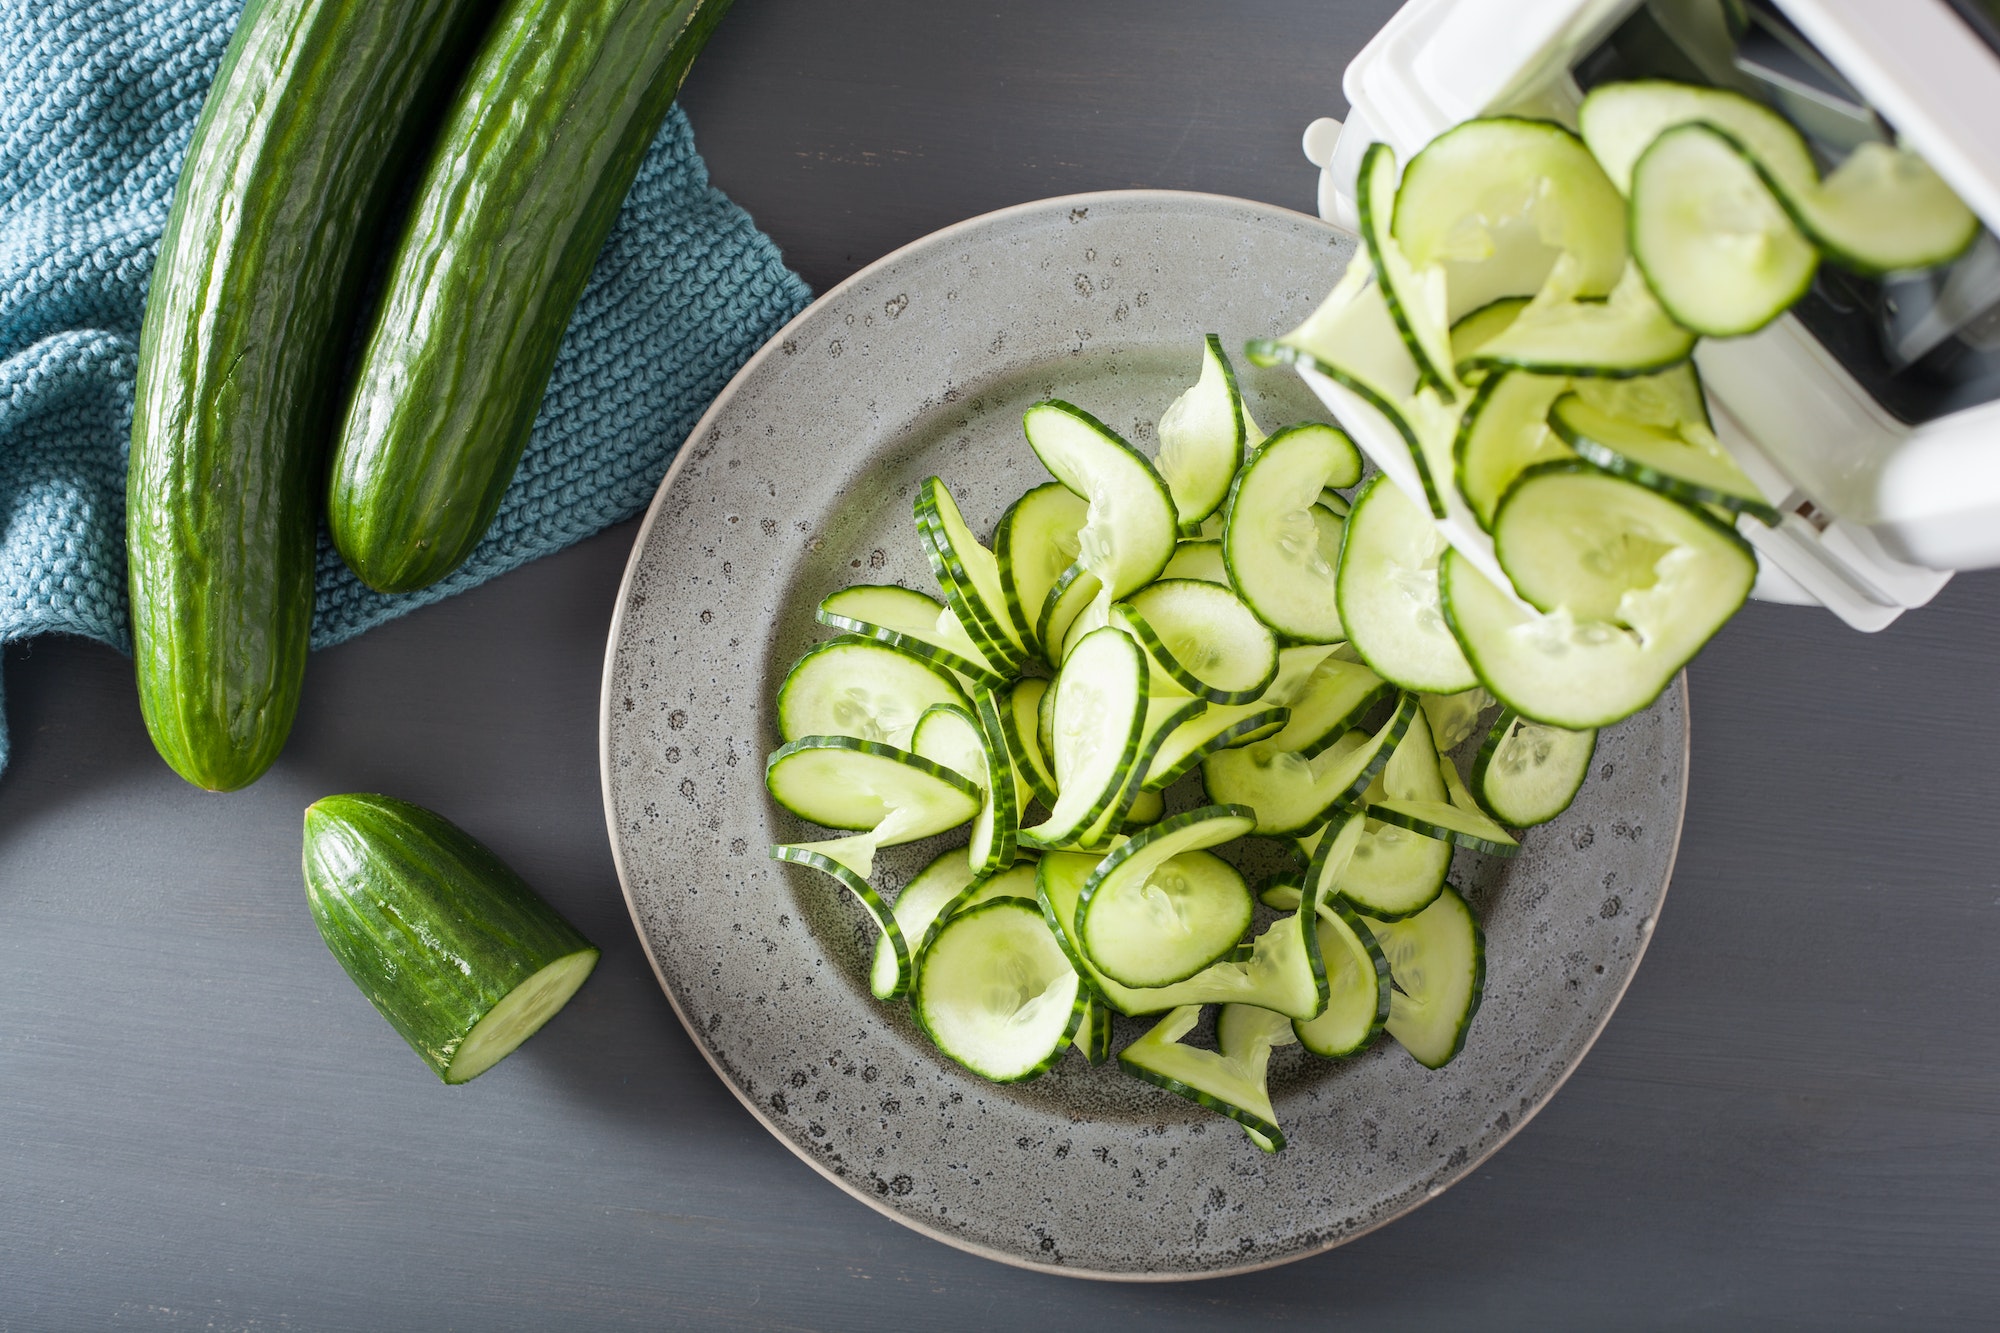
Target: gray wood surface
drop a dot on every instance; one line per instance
(1793, 1121)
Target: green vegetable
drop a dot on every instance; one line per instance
(275, 221)
(447, 943)
(536, 155)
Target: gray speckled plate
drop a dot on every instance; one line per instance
(799, 481)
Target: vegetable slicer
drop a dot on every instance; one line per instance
(1870, 414)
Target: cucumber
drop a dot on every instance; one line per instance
(1020, 717)
(909, 622)
(969, 574)
(923, 901)
(1333, 702)
(1415, 297)
(1437, 959)
(1715, 244)
(536, 154)
(448, 943)
(1130, 533)
(1882, 210)
(1683, 461)
(1498, 201)
(1474, 329)
(1202, 439)
(1388, 593)
(1038, 539)
(1504, 432)
(842, 783)
(996, 993)
(1627, 333)
(862, 688)
(1197, 558)
(1294, 795)
(277, 218)
(1270, 540)
(888, 979)
(1096, 726)
(1232, 1080)
(1528, 773)
(1358, 990)
(1154, 912)
(1201, 638)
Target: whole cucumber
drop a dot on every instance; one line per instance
(447, 942)
(537, 154)
(277, 215)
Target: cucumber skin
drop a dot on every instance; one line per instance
(432, 927)
(538, 151)
(317, 106)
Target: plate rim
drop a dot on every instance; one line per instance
(654, 508)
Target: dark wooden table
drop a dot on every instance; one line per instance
(1793, 1120)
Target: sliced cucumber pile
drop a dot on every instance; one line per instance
(1521, 315)
(1228, 607)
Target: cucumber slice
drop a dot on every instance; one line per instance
(1626, 334)
(1358, 990)
(1578, 673)
(969, 576)
(1478, 327)
(1220, 727)
(1332, 704)
(1528, 773)
(910, 623)
(1203, 638)
(1074, 592)
(1270, 541)
(1159, 909)
(1231, 1081)
(1016, 881)
(1283, 971)
(1394, 872)
(1037, 540)
(1131, 529)
(1389, 596)
(1572, 536)
(1498, 200)
(862, 688)
(1197, 558)
(452, 947)
(1438, 961)
(1145, 811)
(1883, 210)
(1454, 717)
(843, 783)
(1097, 723)
(1447, 823)
(1683, 462)
(1164, 716)
(1716, 246)
(1334, 503)
(947, 734)
(1020, 716)
(996, 993)
(1291, 794)
(1504, 432)
(1416, 298)
(1093, 1037)
(923, 901)
(1188, 913)
(996, 829)
(1201, 439)
(886, 981)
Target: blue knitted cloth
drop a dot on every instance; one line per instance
(97, 100)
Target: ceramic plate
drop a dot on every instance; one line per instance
(798, 482)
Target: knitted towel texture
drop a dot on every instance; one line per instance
(97, 101)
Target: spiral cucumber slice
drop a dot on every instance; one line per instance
(1232, 1080)
(996, 993)
(1389, 594)
(1154, 912)
(1270, 540)
(1202, 439)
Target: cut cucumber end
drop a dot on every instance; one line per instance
(519, 1016)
